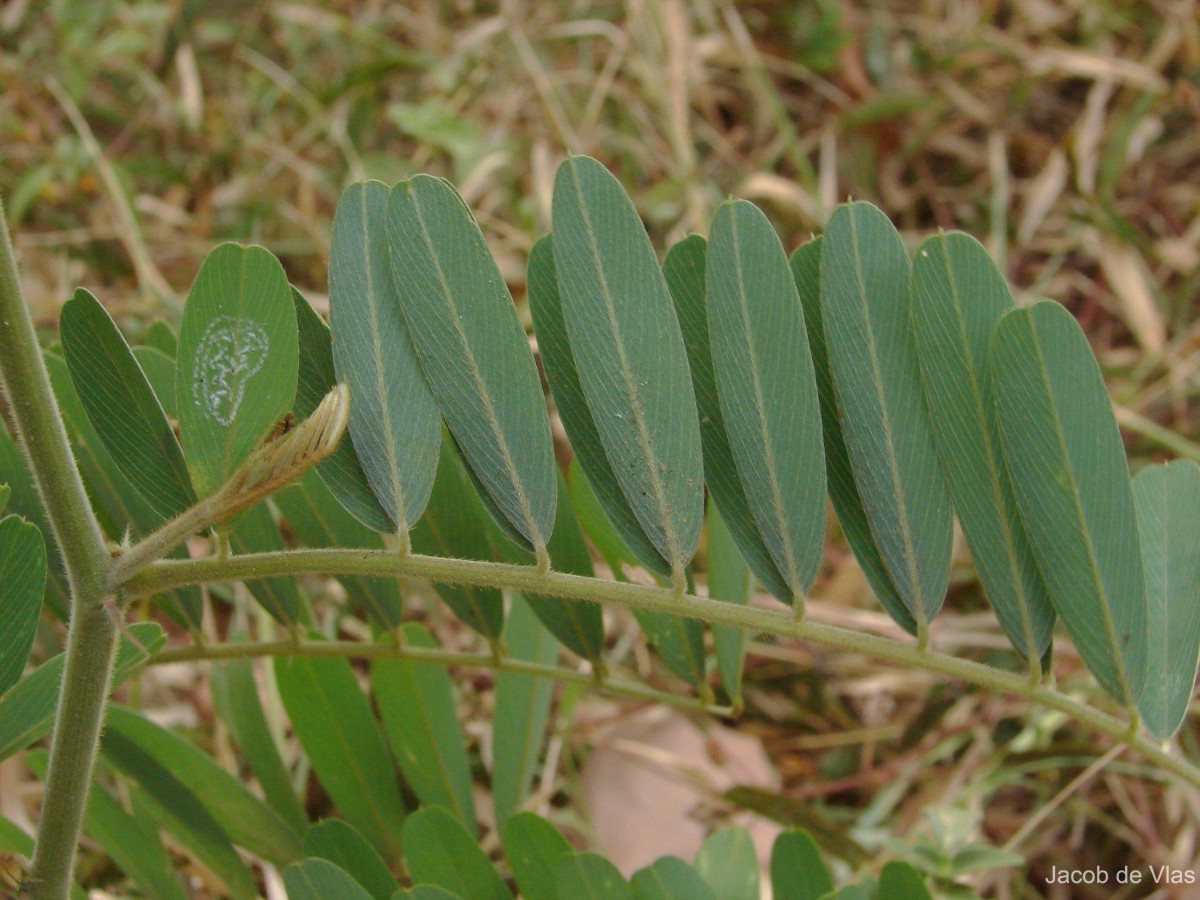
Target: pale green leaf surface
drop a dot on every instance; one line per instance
(339, 843)
(900, 881)
(843, 492)
(630, 356)
(23, 500)
(249, 822)
(161, 337)
(728, 580)
(416, 704)
(159, 370)
(122, 406)
(533, 847)
(474, 352)
(728, 863)
(342, 471)
(684, 269)
(521, 711)
(589, 876)
(670, 878)
(319, 879)
(440, 851)
(872, 356)
(237, 361)
(545, 306)
(958, 295)
(22, 585)
(27, 710)
(1064, 454)
(5, 491)
(256, 532)
(1167, 499)
(394, 422)
(767, 388)
(334, 724)
(426, 892)
(797, 871)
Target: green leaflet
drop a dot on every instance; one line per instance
(684, 268)
(256, 532)
(161, 337)
(339, 843)
(159, 370)
(235, 697)
(249, 822)
(334, 724)
(319, 879)
(22, 584)
(393, 420)
(958, 295)
(440, 851)
(767, 389)
(474, 354)
(670, 878)
(426, 892)
(728, 580)
(1068, 470)
(27, 710)
(237, 360)
(521, 711)
(118, 505)
(312, 511)
(545, 305)
(122, 406)
(5, 492)
(591, 876)
(797, 871)
(342, 471)
(678, 640)
(872, 357)
(843, 492)
(728, 863)
(453, 526)
(24, 501)
(900, 881)
(629, 352)
(1167, 499)
(416, 704)
(534, 847)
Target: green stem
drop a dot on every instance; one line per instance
(359, 650)
(92, 634)
(167, 574)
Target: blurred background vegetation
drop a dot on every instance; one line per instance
(1065, 134)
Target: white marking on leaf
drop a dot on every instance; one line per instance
(231, 352)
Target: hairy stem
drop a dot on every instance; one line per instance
(167, 574)
(92, 634)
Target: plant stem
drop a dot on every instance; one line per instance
(360, 650)
(92, 634)
(167, 574)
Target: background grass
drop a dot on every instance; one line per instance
(1064, 134)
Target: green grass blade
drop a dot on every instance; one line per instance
(522, 709)
(474, 353)
(441, 852)
(630, 355)
(1064, 455)
(236, 698)
(27, 710)
(453, 526)
(393, 419)
(22, 586)
(545, 305)
(318, 520)
(589, 876)
(728, 863)
(339, 843)
(342, 472)
(728, 580)
(237, 360)
(872, 356)
(843, 492)
(122, 406)
(417, 707)
(797, 871)
(684, 269)
(1167, 499)
(767, 388)
(249, 822)
(670, 878)
(334, 724)
(958, 296)
(319, 879)
(256, 532)
(533, 847)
